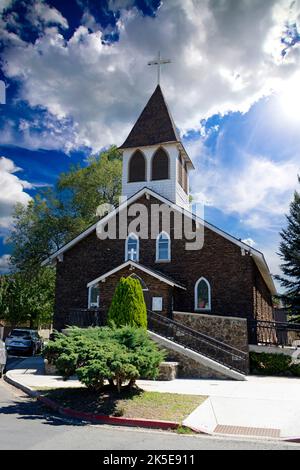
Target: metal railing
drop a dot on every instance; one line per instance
(199, 342)
(85, 317)
(274, 333)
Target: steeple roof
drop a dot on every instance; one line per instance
(154, 125)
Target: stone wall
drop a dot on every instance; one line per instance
(190, 369)
(230, 330)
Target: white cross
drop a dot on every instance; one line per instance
(159, 61)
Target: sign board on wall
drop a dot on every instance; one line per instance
(157, 303)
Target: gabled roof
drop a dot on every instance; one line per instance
(257, 255)
(141, 267)
(155, 124)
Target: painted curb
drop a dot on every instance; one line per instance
(94, 418)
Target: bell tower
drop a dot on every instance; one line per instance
(154, 156)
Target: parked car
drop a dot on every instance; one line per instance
(3, 357)
(24, 340)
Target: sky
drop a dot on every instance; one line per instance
(76, 79)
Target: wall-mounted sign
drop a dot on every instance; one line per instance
(157, 303)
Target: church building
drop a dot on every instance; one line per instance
(223, 278)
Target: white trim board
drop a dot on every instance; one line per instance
(257, 255)
(137, 266)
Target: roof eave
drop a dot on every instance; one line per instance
(136, 266)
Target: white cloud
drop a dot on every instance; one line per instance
(11, 190)
(4, 264)
(223, 59)
(41, 12)
(258, 190)
(249, 241)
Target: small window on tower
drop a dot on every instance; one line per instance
(185, 178)
(137, 167)
(160, 165)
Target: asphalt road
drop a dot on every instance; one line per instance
(25, 424)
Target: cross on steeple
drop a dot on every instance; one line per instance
(159, 61)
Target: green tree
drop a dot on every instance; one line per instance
(27, 301)
(98, 183)
(55, 216)
(289, 251)
(128, 305)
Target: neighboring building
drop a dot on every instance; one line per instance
(224, 278)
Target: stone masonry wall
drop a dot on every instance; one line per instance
(190, 369)
(230, 330)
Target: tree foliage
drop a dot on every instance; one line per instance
(27, 301)
(55, 216)
(128, 305)
(96, 355)
(289, 251)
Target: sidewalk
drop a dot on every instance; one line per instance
(260, 406)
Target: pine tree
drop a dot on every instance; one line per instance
(289, 251)
(128, 305)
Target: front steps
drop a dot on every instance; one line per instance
(193, 364)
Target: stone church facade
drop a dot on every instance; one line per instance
(224, 277)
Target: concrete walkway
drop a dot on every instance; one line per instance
(259, 406)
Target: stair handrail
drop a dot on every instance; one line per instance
(209, 339)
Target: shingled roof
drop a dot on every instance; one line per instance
(154, 125)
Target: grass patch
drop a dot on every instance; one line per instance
(129, 403)
(184, 430)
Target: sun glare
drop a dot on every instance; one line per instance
(290, 98)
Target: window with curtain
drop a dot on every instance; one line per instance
(94, 296)
(202, 295)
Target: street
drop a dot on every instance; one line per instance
(25, 424)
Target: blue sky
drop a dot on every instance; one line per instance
(77, 77)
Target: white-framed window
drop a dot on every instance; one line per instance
(202, 295)
(157, 304)
(94, 296)
(163, 247)
(132, 247)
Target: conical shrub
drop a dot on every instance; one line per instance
(128, 305)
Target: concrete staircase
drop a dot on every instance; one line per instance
(201, 354)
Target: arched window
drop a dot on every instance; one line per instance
(143, 284)
(163, 247)
(132, 248)
(160, 165)
(94, 296)
(202, 294)
(137, 167)
(180, 170)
